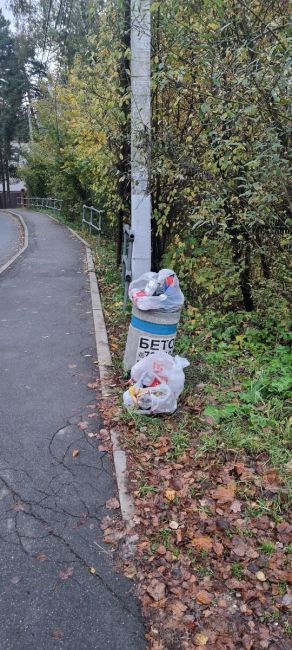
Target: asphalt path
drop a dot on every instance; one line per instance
(52, 500)
(10, 236)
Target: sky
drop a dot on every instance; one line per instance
(7, 13)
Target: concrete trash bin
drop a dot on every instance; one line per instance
(150, 331)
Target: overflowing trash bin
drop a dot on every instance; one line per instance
(157, 301)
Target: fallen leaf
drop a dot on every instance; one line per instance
(173, 525)
(91, 435)
(64, 574)
(224, 494)
(204, 597)
(287, 600)
(177, 608)
(58, 635)
(15, 580)
(161, 550)
(18, 507)
(92, 570)
(83, 425)
(202, 543)
(271, 478)
(95, 385)
(245, 473)
(233, 584)
(239, 547)
(261, 576)
(112, 504)
(236, 506)
(284, 532)
(170, 494)
(130, 571)
(72, 365)
(248, 642)
(113, 537)
(75, 453)
(156, 590)
(103, 448)
(106, 522)
(41, 557)
(218, 548)
(201, 639)
(288, 576)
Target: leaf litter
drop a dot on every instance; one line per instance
(197, 579)
(212, 562)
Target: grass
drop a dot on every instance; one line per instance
(287, 626)
(243, 360)
(146, 489)
(282, 588)
(236, 571)
(267, 547)
(179, 441)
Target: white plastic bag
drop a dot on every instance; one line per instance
(158, 381)
(157, 291)
(169, 370)
(150, 400)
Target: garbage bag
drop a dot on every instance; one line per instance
(150, 400)
(158, 380)
(166, 369)
(157, 291)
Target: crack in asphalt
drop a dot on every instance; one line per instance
(21, 535)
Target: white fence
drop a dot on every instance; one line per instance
(40, 202)
(91, 217)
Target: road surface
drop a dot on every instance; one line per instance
(10, 236)
(52, 501)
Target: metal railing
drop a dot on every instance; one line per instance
(94, 213)
(128, 240)
(40, 202)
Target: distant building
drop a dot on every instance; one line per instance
(17, 188)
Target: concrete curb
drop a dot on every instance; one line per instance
(24, 247)
(104, 365)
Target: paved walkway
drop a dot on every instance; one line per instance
(51, 503)
(9, 236)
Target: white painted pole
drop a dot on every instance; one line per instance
(30, 131)
(140, 136)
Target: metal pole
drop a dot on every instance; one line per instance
(99, 228)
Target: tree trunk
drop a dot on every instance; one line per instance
(3, 179)
(242, 258)
(245, 280)
(7, 182)
(265, 263)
